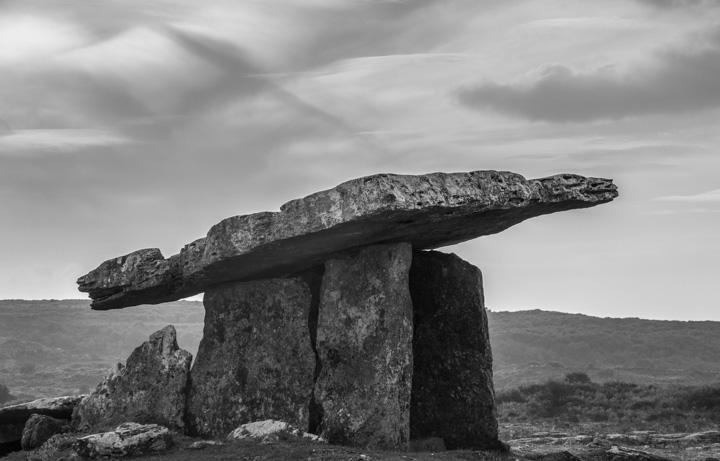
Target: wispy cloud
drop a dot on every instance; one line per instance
(38, 141)
(712, 196)
(680, 3)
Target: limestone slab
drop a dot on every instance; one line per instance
(364, 344)
(57, 407)
(128, 439)
(427, 211)
(452, 389)
(255, 361)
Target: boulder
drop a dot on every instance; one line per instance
(427, 211)
(149, 388)
(57, 407)
(269, 431)
(452, 386)
(255, 360)
(364, 344)
(129, 439)
(14, 417)
(54, 449)
(39, 428)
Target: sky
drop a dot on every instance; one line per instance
(129, 124)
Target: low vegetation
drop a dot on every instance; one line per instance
(623, 406)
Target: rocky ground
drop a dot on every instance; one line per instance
(576, 443)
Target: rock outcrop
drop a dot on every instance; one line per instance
(39, 429)
(452, 389)
(129, 439)
(54, 449)
(427, 211)
(364, 343)
(57, 407)
(14, 417)
(269, 431)
(255, 361)
(149, 388)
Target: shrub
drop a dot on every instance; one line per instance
(705, 398)
(513, 395)
(577, 378)
(551, 399)
(5, 395)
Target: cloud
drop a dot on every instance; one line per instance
(712, 196)
(680, 3)
(680, 83)
(18, 142)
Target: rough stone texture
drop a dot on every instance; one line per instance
(57, 407)
(269, 431)
(452, 388)
(39, 428)
(14, 417)
(129, 439)
(255, 360)
(54, 448)
(428, 211)
(150, 388)
(364, 342)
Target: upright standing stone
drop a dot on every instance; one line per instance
(149, 388)
(364, 342)
(255, 361)
(452, 389)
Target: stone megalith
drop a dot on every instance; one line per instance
(332, 352)
(255, 360)
(149, 388)
(427, 211)
(452, 390)
(364, 344)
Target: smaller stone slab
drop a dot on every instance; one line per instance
(364, 344)
(149, 388)
(57, 407)
(129, 439)
(14, 417)
(255, 360)
(270, 431)
(39, 428)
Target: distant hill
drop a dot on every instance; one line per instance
(531, 346)
(58, 347)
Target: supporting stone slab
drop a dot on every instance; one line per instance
(255, 361)
(364, 343)
(452, 388)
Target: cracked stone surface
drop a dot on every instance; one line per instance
(149, 388)
(364, 343)
(427, 211)
(255, 360)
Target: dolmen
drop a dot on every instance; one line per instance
(336, 316)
